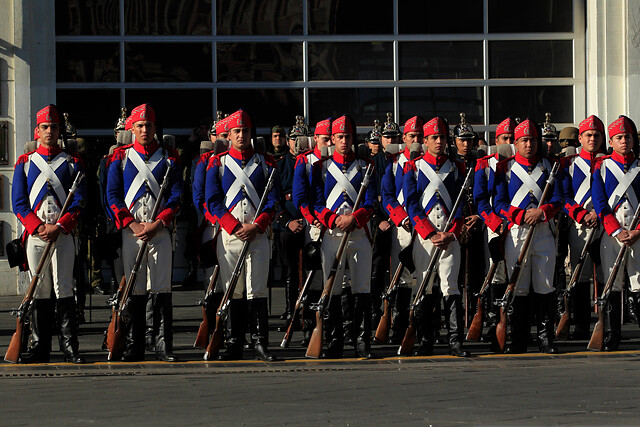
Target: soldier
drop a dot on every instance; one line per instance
(336, 182)
(550, 138)
(569, 137)
(578, 205)
(390, 132)
(235, 183)
(431, 184)
(133, 184)
(41, 182)
(520, 181)
(615, 192)
(393, 200)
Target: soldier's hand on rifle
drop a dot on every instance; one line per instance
(136, 227)
(471, 221)
(247, 232)
(590, 219)
(295, 225)
(384, 225)
(317, 224)
(406, 224)
(346, 222)
(149, 230)
(48, 232)
(441, 239)
(628, 237)
(533, 216)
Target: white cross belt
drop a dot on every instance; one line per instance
(242, 181)
(48, 174)
(343, 182)
(144, 175)
(436, 183)
(529, 183)
(624, 184)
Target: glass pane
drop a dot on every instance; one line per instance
(90, 108)
(441, 60)
(259, 61)
(87, 62)
(363, 104)
(531, 101)
(175, 108)
(351, 61)
(544, 58)
(266, 106)
(258, 17)
(541, 16)
(96, 18)
(168, 62)
(440, 17)
(447, 102)
(167, 18)
(350, 17)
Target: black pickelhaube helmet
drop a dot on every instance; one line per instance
(548, 129)
(299, 129)
(390, 127)
(375, 135)
(212, 128)
(463, 130)
(120, 124)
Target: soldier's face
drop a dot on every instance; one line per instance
(505, 138)
(322, 141)
(411, 137)
(240, 138)
(386, 140)
(591, 140)
(464, 146)
(223, 135)
(144, 131)
(277, 139)
(343, 142)
(212, 138)
(48, 133)
(436, 145)
(527, 146)
(375, 148)
(622, 143)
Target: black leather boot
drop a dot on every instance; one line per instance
(334, 329)
(454, 315)
(68, 333)
(545, 315)
(362, 321)
(493, 314)
(400, 315)
(580, 304)
(191, 279)
(634, 299)
(163, 327)
(309, 316)
(425, 331)
(612, 322)
(377, 288)
(347, 315)
(259, 315)
(134, 329)
(236, 327)
(520, 329)
(149, 334)
(41, 323)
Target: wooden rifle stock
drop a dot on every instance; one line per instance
(501, 328)
(18, 338)
(382, 332)
(562, 331)
(314, 349)
(597, 336)
(475, 329)
(303, 292)
(409, 340)
(211, 353)
(202, 338)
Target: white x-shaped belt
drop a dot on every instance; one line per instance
(311, 160)
(48, 175)
(624, 183)
(436, 183)
(343, 182)
(144, 176)
(242, 181)
(529, 183)
(399, 166)
(581, 195)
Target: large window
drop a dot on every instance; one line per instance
(320, 58)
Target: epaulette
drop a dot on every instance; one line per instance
(597, 163)
(215, 160)
(502, 165)
(270, 160)
(410, 166)
(202, 158)
(173, 154)
(302, 158)
(394, 155)
(24, 158)
(119, 153)
(482, 163)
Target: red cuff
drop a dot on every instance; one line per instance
(68, 221)
(262, 221)
(31, 222)
(123, 217)
(306, 213)
(456, 228)
(423, 227)
(228, 222)
(362, 216)
(611, 224)
(210, 217)
(549, 211)
(166, 216)
(580, 216)
(397, 214)
(492, 221)
(327, 218)
(515, 215)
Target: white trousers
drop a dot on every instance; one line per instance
(577, 235)
(610, 247)
(154, 274)
(58, 272)
(357, 255)
(400, 239)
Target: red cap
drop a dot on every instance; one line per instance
(35, 133)
(592, 123)
(343, 124)
(239, 119)
(621, 125)
(48, 114)
(505, 126)
(526, 128)
(142, 112)
(323, 127)
(435, 126)
(220, 126)
(414, 124)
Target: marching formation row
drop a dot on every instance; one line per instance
(399, 222)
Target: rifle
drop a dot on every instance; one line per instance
(114, 340)
(562, 331)
(301, 298)
(475, 329)
(19, 336)
(406, 347)
(223, 310)
(501, 328)
(597, 336)
(382, 331)
(202, 338)
(315, 343)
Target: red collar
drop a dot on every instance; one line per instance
(438, 161)
(241, 155)
(527, 162)
(46, 151)
(587, 155)
(407, 153)
(625, 160)
(148, 149)
(347, 158)
(317, 152)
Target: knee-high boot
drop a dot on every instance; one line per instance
(545, 315)
(309, 316)
(425, 330)
(68, 333)
(259, 315)
(334, 330)
(347, 315)
(454, 315)
(149, 335)
(362, 323)
(236, 327)
(41, 330)
(163, 326)
(134, 329)
(612, 322)
(400, 315)
(519, 321)
(635, 300)
(580, 303)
